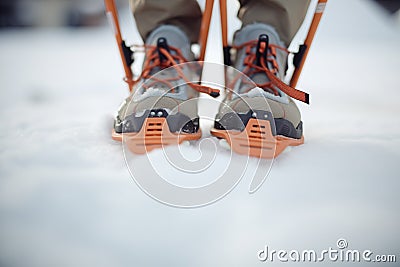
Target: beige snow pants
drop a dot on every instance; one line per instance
(286, 16)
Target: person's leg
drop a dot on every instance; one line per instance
(185, 14)
(286, 16)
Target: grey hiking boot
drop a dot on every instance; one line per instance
(260, 118)
(162, 108)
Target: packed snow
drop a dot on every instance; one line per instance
(67, 197)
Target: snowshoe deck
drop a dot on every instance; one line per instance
(256, 140)
(154, 133)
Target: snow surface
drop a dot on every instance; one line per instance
(67, 198)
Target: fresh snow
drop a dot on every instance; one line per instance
(67, 198)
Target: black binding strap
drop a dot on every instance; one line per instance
(128, 54)
(227, 55)
(298, 57)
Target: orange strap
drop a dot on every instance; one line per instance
(290, 91)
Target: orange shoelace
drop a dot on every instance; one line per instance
(153, 60)
(252, 68)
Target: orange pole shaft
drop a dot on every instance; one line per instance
(309, 39)
(224, 31)
(205, 27)
(112, 14)
(224, 22)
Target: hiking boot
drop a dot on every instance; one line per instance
(260, 118)
(162, 108)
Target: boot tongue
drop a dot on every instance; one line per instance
(175, 38)
(161, 44)
(261, 52)
(253, 32)
(163, 72)
(260, 78)
(169, 35)
(248, 33)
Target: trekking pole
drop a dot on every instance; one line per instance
(224, 32)
(205, 27)
(300, 57)
(125, 52)
(226, 49)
